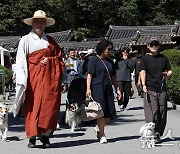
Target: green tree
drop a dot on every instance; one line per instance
(12, 17)
(128, 13)
(81, 33)
(93, 15)
(173, 84)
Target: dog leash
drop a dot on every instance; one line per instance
(11, 109)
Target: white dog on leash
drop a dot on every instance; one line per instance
(3, 121)
(147, 135)
(72, 117)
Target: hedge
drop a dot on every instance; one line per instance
(173, 84)
(8, 76)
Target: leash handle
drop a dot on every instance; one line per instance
(11, 109)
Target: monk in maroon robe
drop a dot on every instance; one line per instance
(39, 76)
(43, 93)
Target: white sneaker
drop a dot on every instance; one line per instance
(96, 130)
(103, 140)
(121, 108)
(58, 127)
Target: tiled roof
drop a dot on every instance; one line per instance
(9, 42)
(79, 46)
(61, 36)
(9, 39)
(120, 46)
(121, 43)
(121, 36)
(176, 29)
(121, 32)
(163, 39)
(138, 35)
(84, 46)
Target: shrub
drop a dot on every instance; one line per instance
(173, 56)
(8, 76)
(173, 84)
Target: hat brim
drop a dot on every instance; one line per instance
(154, 42)
(89, 54)
(49, 21)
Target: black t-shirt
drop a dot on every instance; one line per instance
(154, 66)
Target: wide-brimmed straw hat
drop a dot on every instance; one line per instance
(39, 15)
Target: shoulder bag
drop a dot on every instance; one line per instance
(91, 110)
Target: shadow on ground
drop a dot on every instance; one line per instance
(136, 108)
(64, 135)
(87, 141)
(70, 143)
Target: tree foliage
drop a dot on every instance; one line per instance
(93, 15)
(173, 83)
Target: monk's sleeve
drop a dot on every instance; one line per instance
(21, 77)
(21, 64)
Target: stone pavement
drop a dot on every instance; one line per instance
(122, 134)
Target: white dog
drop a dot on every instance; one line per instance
(3, 121)
(147, 135)
(72, 117)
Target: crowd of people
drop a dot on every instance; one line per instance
(43, 73)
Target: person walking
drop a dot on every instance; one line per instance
(14, 75)
(39, 70)
(99, 85)
(124, 67)
(155, 68)
(72, 69)
(137, 75)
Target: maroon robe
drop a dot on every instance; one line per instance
(43, 93)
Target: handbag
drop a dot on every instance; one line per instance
(92, 110)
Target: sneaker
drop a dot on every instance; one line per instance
(121, 108)
(103, 140)
(58, 127)
(97, 132)
(157, 139)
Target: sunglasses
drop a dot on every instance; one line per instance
(110, 49)
(154, 43)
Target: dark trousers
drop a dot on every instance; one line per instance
(155, 109)
(125, 88)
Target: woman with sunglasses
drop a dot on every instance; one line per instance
(155, 68)
(99, 85)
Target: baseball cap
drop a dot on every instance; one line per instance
(153, 41)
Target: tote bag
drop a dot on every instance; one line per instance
(91, 110)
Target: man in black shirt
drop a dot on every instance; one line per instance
(155, 68)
